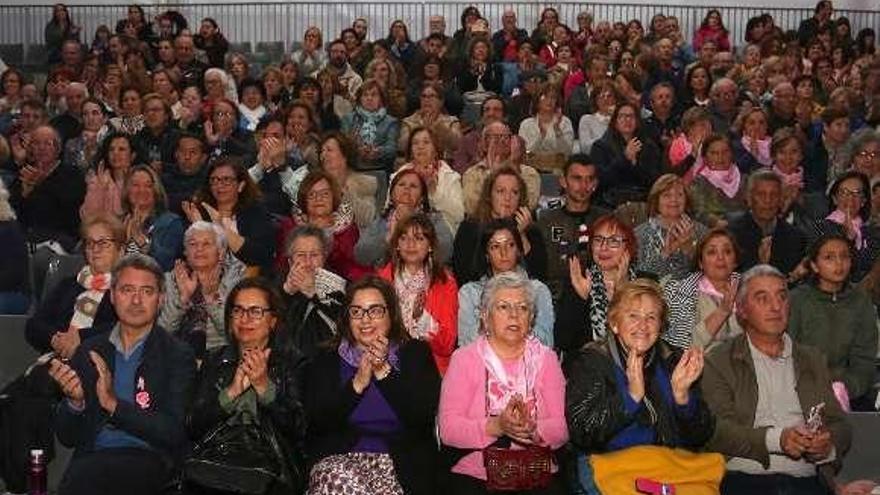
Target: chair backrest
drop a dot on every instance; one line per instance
(60, 267)
(15, 353)
(861, 460)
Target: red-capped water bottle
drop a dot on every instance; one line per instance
(37, 473)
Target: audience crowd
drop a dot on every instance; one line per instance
(596, 252)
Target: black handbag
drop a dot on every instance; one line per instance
(238, 456)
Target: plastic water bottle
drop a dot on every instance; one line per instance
(37, 473)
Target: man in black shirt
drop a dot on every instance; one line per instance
(563, 224)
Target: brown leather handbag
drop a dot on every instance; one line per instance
(520, 469)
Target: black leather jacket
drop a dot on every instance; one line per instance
(594, 407)
(283, 417)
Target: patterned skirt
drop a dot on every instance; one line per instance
(355, 473)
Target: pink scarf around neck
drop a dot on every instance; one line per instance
(725, 180)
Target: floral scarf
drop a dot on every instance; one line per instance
(502, 384)
(87, 302)
(369, 128)
(409, 288)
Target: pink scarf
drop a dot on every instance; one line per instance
(763, 155)
(839, 218)
(725, 180)
(502, 384)
(794, 179)
(706, 287)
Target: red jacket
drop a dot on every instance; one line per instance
(441, 303)
(721, 37)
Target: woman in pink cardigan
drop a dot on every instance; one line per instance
(505, 390)
(426, 290)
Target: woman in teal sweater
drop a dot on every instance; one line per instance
(837, 317)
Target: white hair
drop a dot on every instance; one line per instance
(229, 89)
(203, 226)
(506, 280)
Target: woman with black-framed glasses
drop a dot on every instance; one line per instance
(79, 307)
(256, 374)
(230, 199)
(582, 311)
(371, 402)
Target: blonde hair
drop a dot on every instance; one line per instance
(117, 230)
(633, 291)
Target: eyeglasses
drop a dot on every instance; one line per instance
(498, 137)
(252, 312)
(867, 154)
(430, 95)
(223, 113)
(99, 244)
(614, 241)
(374, 311)
(510, 308)
(225, 181)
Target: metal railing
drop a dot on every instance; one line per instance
(270, 23)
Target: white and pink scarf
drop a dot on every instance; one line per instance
(502, 383)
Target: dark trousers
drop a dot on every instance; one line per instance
(123, 471)
(770, 484)
(460, 484)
